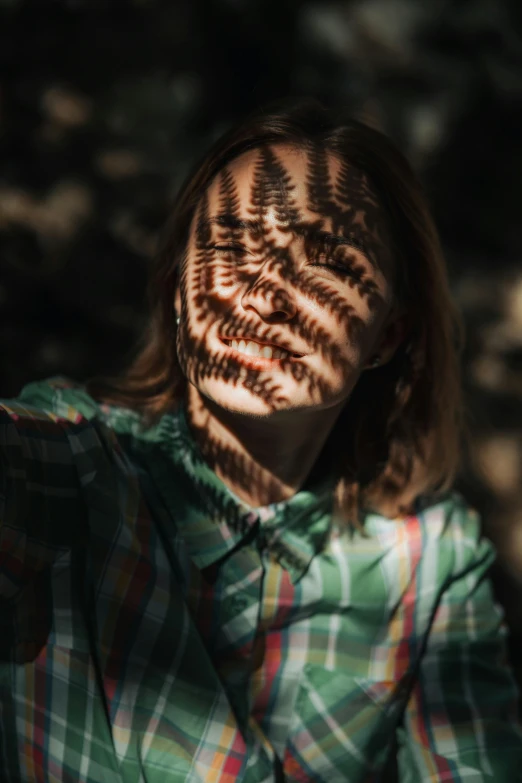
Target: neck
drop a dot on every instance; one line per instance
(260, 460)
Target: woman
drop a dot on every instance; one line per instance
(242, 559)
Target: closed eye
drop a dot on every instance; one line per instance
(229, 248)
(339, 268)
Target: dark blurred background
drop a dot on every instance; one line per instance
(105, 104)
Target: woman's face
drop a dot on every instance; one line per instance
(286, 285)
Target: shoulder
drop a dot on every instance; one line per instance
(61, 397)
(65, 400)
(48, 452)
(442, 536)
(445, 517)
(454, 526)
(454, 550)
(60, 410)
(54, 434)
(52, 423)
(45, 412)
(51, 401)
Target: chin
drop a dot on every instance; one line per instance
(238, 399)
(272, 400)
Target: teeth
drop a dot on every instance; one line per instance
(251, 348)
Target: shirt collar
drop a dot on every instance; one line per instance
(213, 521)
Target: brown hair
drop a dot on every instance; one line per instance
(399, 434)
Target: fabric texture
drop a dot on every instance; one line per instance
(155, 629)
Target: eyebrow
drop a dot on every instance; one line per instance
(310, 233)
(233, 222)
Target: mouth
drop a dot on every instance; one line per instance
(257, 350)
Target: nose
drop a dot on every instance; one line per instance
(271, 299)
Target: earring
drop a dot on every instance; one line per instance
(375, 361)
(178, 319)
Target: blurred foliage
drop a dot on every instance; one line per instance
(104, 105)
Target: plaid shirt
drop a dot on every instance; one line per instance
(154, 629)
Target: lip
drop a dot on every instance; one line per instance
(259, 362)
(280, 346)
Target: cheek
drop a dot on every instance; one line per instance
(351, 343)
(348, 321)
(210, 283)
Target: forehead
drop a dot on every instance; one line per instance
(291, 167)
(281, 186)
(295, 169)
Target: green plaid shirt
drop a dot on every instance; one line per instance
(154, 629)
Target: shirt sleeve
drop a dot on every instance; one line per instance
(461, 721)
(42, 513)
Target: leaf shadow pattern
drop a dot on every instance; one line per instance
(240, 248)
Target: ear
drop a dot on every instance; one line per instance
(395, 331)
(177, 294)
(177, 299)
